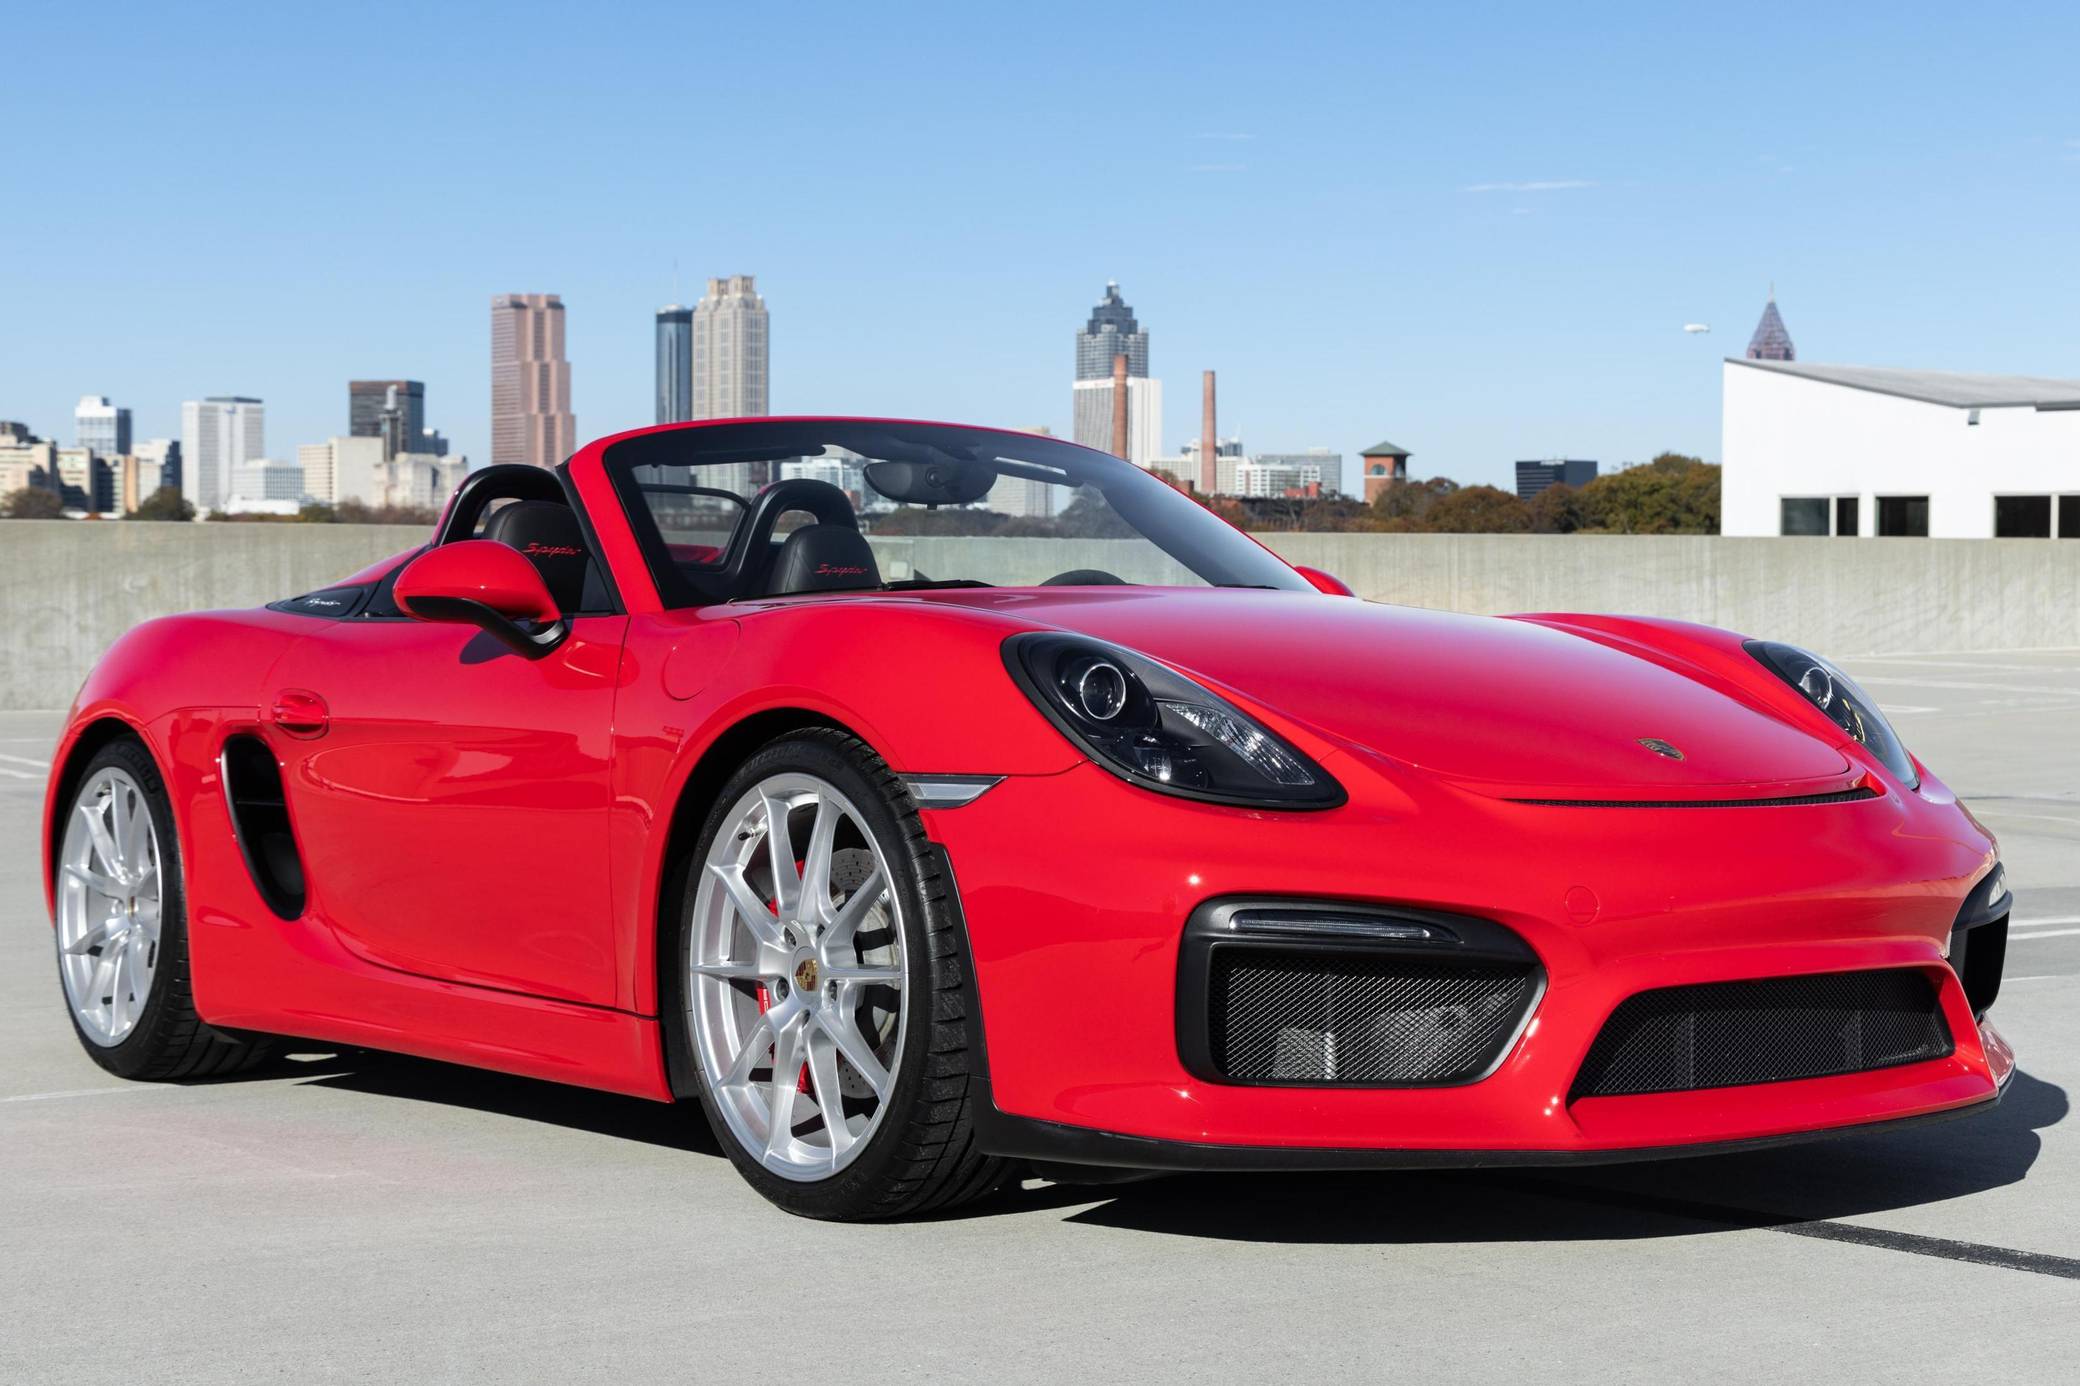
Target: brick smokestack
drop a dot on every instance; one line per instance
(1209, 477)
(1119, 408)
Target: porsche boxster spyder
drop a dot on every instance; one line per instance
(933, 804)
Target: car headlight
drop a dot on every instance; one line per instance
(1151, 725)
(1846, 705)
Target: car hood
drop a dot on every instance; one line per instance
(1493, 702)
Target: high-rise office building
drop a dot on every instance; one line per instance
(731, 351)
(1772, 340)
(1533, 477)
(1112, 332)
(730, 367)
(99, 425)
(674, 364)
(158, 464)
(218, 435)
(531, 418)
(26, 461)
(393, 410)
(343, 469)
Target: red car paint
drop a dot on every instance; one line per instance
(487, 836)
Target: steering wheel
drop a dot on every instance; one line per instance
(1085, 577)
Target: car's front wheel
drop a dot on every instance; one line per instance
(122, 928)
(817, 988)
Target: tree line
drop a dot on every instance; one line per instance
(1672, 494)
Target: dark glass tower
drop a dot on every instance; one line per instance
(393, 410)
(1111, 331)
(674, 364)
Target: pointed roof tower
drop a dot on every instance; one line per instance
(1771, 342)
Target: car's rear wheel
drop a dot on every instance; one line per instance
(122, 933)
(818, 987)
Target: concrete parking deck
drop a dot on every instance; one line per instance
(376, 1219)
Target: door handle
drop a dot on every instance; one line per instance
(300, 712)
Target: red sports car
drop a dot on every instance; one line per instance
(936, 803)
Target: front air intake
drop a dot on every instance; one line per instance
(1284, 1017)
(1301, 994)
(1730, 1034)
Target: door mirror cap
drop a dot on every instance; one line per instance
(483, 583)
(1324, 582)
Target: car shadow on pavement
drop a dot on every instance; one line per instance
(1832, 1178)
(1826, 1179)
(676, 1127)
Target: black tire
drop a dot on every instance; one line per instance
(170, 1041)
(922, 1157)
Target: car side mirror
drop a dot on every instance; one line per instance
(1324, 582)
(483, 583)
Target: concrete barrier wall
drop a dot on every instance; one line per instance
(67, 589)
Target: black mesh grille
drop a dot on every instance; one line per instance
(1293, 1017)
(1725, 1034)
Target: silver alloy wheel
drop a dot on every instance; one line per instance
(797, 976)
(109, 893)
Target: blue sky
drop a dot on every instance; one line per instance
(1476, 230)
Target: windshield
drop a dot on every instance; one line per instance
(787, 506)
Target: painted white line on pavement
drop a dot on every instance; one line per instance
(1969, 664)
(1963, 683)
(143, 1088)
(18, 774)
(2044, 933)
(24, 760)
(81, 1092)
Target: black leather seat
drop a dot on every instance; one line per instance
(547, 534)
(824, 558)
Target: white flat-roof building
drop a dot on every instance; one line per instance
(1868, 450)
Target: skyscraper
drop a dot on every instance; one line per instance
(1771, 342)
(674, 364)
(1113, 332)
(393, 410)
(99, 425)
(531, 418)
(218, 435)
(730, 351)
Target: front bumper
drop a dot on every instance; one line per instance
(1076, 888)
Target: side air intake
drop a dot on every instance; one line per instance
(260, 819)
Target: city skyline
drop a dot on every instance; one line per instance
(1471, 268)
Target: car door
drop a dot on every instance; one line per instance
(450, 798)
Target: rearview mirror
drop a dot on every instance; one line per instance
(482, 583)
(1324, 582)
(954, 482)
